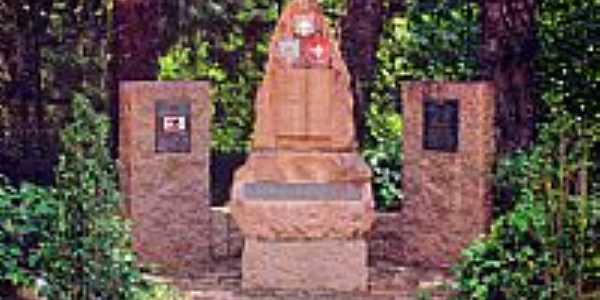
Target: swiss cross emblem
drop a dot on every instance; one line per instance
(316, 50)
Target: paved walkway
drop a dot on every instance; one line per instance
(387, 282)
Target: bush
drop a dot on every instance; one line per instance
(26, 214)
(156, 291)
(383, 153)
(547, 246)
(69, 240)
(511, 262)
(88, 255)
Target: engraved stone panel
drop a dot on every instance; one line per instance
(440, 125)
(318, 101)
(290, 104)
(302, 191)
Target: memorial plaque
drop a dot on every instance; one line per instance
(289, 50)
(173, 127)
(302, 191)
(440, 125)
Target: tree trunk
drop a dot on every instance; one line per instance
(136, 46)
(361, 29)
(508, 49)
(137, 39)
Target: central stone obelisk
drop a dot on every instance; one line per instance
(303, 199)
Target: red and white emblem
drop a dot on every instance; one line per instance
(173, 124)
(316, 50)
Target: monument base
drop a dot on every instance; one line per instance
(339, 265)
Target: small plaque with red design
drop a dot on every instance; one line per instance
(316, 51)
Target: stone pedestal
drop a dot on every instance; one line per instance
(305, 265)
(164, 161)
(449, 153)
(304, 217)
(303, 198)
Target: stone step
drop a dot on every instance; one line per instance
(386, 282)
(287, 295)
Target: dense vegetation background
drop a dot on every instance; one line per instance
(60, 63)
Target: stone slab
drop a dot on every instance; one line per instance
(166, 191)
(339, 265)
(447, 193)
(294, 217)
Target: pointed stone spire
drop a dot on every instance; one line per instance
(304, 102)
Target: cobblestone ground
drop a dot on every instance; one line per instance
(387, 282)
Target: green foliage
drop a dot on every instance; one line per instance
(428, 41)
(232, 91)
(510, 263)
(569, 54)
(71, 238)
(157, 291)
(432, 40)
(443, 40)
(423, 295)
(547, 246)
(88, 255)
(26, 214)
(383, 153)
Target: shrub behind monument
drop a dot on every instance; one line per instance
(88, 254)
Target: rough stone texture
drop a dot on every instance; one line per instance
(385, 240)
(448, 201)
(227, 241)
(289, 219)
(386, 282)
(306, 265)
(167, 193)
(304, 134)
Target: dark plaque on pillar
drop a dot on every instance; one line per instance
(173, 127)
(440, 125)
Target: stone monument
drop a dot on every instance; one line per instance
(303, 198)
(164, 161)
(449, 154)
